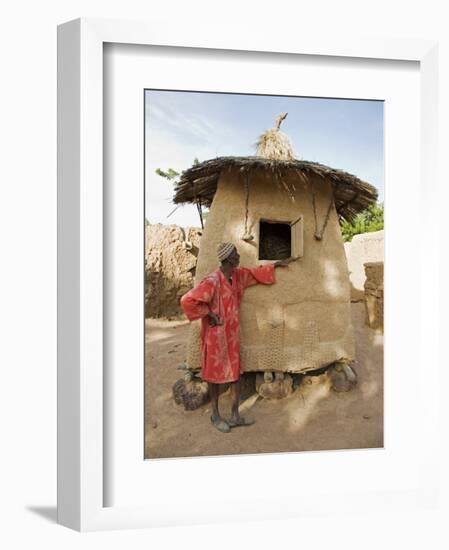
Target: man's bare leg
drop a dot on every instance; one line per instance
(216, 419)
(236, 419)
(235, 398)
(213, 392)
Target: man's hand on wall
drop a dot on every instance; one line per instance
(286, 262)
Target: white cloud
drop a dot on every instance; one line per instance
(186, 125)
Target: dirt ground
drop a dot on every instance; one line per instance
(313, 418)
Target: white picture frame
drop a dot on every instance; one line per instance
(81, 406)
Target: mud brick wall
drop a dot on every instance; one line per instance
(374, 294)
(364, 248)
(170, 264)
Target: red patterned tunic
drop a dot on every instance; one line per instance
(220, 345)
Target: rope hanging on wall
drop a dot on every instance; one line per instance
(200, 211)
(320, 232)
(247, 235)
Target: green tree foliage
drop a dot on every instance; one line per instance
(170, 174)
(371, 219)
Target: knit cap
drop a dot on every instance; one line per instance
(224, 250)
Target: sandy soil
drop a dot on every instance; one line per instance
(313, 418)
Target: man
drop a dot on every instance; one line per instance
(216, 301)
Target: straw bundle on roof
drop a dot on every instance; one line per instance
(274, 144)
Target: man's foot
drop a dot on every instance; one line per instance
(220, 424)
(240, 421)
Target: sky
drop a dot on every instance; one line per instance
(181, 126)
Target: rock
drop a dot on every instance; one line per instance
(278, 389)
(342, 376)
(268, 376)
(192, 395)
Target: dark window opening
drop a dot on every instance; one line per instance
(275, 241)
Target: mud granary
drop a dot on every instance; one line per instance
(273, 206)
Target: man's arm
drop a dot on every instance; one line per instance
(264, 274)
(195, 303)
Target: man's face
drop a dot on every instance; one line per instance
(234, 258)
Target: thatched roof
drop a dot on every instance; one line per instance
(199, 183)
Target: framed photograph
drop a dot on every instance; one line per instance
(294, 329)
(243, 165)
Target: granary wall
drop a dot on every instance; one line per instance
(301, 322)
